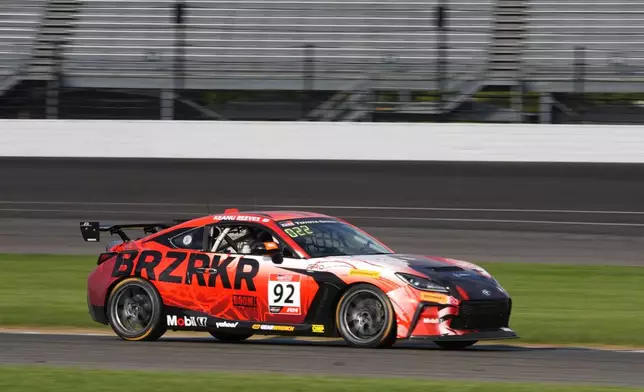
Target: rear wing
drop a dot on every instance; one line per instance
(91, 231)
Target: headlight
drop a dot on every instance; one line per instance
(483, 272)
(421, 283)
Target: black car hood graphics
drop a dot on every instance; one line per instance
(475, 285)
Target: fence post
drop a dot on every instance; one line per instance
(579, 70)
(54, 84)
(179, 57)
(441, 63)
(308, 75)
(545, 108)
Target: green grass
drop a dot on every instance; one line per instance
(46, 379)
(574, 304)
(45, 290)
(552, 303)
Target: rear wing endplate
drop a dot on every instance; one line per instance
(91, 231)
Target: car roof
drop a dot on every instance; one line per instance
(272, 215)
(284, 215)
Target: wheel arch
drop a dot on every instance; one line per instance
(335, 303)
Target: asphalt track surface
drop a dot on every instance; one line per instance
(482, 212)
(484, 362)
(588, 214)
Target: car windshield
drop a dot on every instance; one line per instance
(330, 237)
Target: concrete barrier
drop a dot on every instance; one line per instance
(322, 141)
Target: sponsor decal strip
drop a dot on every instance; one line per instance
(245, 301)
(243, 218)
(317, 328)
(268, 327)
(434, 297)
(226, 324)
(365, 273)
(186, 321)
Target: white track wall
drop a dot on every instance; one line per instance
(322, 141)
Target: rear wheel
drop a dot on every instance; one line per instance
(365, 317)
(134, 310)
(229, 337)
(455, 345)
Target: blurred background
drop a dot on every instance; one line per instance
(513, 61)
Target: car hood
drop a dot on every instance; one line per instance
(470, 280)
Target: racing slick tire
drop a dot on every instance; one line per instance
(365, 317)
(229, 337)
(455, 345)
(135, 310)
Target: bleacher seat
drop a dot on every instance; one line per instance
(265, 39)
(612, 33)
(19, 24)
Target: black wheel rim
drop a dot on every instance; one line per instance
(133, 310)
(364, 316)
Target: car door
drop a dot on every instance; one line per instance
(266, 291)
(286, 296)
(209, 278)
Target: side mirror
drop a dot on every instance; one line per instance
(270, 249)
(278, 257)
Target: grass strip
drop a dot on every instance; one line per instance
(573, 303)
(570, 304)
(48, 379)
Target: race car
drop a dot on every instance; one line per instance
(294, 273)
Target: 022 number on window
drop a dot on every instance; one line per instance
(299, 231)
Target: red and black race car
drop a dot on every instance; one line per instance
(237, 274)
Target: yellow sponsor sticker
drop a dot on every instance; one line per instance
(318, 328)
(365, 273)
(284, 328)
(264, 327)
(434, 297)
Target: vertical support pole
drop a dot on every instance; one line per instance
(179, 55)
(579, 77)
(308, 75)
(579, 69)
(54, 85)
(441, 63)
(545, 108)
(167, 99)
(517, 99)
(369, 98)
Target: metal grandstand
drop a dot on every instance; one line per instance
(351, 60)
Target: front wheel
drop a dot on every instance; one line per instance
(455, 345)
(365, 317)
(134, 310)
(229, 337)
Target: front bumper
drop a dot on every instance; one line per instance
(505, 333)
(467, 320)
(98, 314)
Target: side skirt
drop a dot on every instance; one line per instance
(178, 319)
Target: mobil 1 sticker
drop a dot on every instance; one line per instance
(284, 294)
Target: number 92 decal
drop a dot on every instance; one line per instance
(284, 294)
